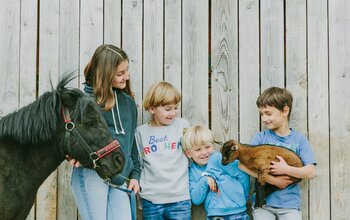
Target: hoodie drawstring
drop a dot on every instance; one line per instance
(118, 114)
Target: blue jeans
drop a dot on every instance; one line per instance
(177, 210)
(96, 200)
(238, 216)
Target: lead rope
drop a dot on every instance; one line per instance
(131, 194)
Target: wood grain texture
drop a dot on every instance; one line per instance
(318, 115)
(132, 31)
(271, 43)
(112, 18)
(248, 69)
(220, 55)
(339, 97)
(224, 70)
(195, 61)
(9, 56)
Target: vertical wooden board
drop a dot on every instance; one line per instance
(224, 67)
(172, 42)
(318, 117)
(9, 56)
(27, 59)
(28, 52)
(296, 78)
(48, 69)
(132, 44)
(91, 31)
(112, 22)
(339, 81)
(68, 62)
(69, 38)
(272, 43)
(152, 45)
(248, 68)
(195, 61)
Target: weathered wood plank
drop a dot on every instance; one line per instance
(296, 78)
(132, 44)
(9, 56)
(91, 31)
(318, 117)
(172, 43)
(112, 22)
(224, 69)
(248, 69)
(339, 97)
(272, 43)
(195, 61)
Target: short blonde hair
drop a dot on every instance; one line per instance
(160, 94)
(195, 136)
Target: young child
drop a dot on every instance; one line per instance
(164, 176)
(275, 106)
(223, 189)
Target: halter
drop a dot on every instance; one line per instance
(94, 155)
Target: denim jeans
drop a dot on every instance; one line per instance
(177, 210)
(270, 213)
(96, 200)
(238, 216)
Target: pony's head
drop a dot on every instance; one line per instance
(87, 138)
(229, 151)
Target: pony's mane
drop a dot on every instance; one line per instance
(37, 122)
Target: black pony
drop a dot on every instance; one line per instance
(35, 139)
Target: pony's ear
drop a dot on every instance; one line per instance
(67, 98)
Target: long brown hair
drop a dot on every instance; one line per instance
(99, 74)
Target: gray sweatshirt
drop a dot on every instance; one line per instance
(164, 176)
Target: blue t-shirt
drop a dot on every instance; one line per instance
(295, 141)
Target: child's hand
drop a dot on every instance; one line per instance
(73, 162)
(212, 185)
(134, 185)
(279, 168)
(279, 181)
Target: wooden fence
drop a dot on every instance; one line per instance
(219, 54)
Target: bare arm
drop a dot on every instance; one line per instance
(282, 168)
(278, 181)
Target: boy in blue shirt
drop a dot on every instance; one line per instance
(223, 189)
(275, 106)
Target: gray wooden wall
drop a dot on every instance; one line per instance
(219, 54)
